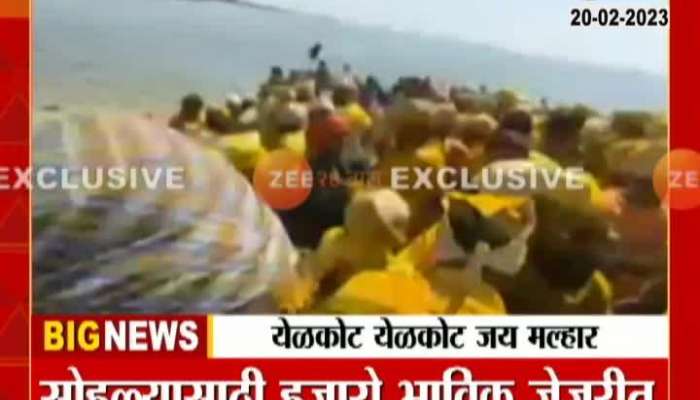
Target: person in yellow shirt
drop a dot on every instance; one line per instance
(559, 272)
(408, 123)
(440, 270)
(561, 147)
(406, 285)
(359, 120)
(218, 121)
(375, 226)
(443, 264)
(555, 275)
(346, 102)
(189, 120)
(288, 121)
(465, 145)
(243, 149)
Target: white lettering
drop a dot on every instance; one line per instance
(138, 338)
(442, 181)
(24, 179)
(422, 178)
(399, 178)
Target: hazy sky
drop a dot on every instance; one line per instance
(539, 27)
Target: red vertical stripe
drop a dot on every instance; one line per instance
(685, 87)
(14, 204)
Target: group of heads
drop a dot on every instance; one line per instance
(217, 119)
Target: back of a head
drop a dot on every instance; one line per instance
(466, 102)
(217, 120)
(276, 71)
(305, 91)
(479, 126)
(443, 119)
(411, 119)
(192, 104)
(631, 124)
(344, 94)
(565, 122)
(507, 100)
(247, 103)
(411, 111)
(514, 136)
(290, 117)
(517, 120)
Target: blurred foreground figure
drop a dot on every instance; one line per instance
(209, 246)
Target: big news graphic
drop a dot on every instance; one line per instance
(347, 200)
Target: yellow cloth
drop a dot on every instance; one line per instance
(421, 251)
(489, 204)
(595, 298)
(339, 252)
(402, 289)
(391, 291)
(244, 149)
(483, 300)
(432, 154)
(423, 202)
(358, 119)
(294, 141)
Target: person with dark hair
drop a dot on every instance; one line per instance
(189, 118)
(517, 120)
(631, 124)
(513, 140)
(506, 101)
(373, 94)
(323, 77)
(409, 126)
(344, 94)
(559, 274)
(218, 121)
(276, 76)
(247, 104)
(475, 231)
(562, 135)
(466, 144)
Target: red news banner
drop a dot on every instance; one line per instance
(349, 358)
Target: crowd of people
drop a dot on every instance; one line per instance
(367, 247)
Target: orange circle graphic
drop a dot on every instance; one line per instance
(283, 179)
(677, 179)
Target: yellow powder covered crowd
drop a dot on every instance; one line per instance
(369, 248)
